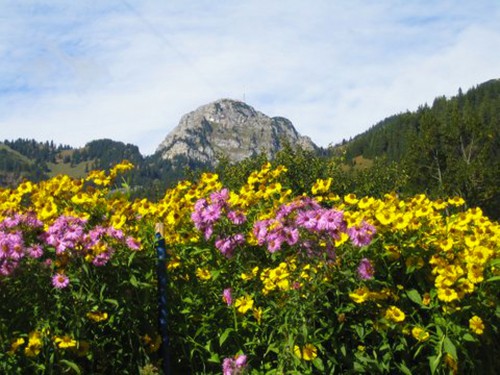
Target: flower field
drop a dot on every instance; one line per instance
(260, 280)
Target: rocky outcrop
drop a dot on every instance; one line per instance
(231, 128)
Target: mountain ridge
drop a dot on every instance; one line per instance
(230, 127)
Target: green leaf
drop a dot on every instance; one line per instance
(133, 281)
(469, 337)
(318, 363)
(450, 348)
(131, 257)
(70, 364)
(495, 263)
(225, 335)
(414, 296)
(112, 301)
(434, 363)
(343, 350)
(492, 279)
(404, 370)
(214, 358)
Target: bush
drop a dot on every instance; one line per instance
(260, 280)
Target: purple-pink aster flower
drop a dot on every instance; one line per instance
(236, 217)
(220, 197)
(132, 243)
(60, 281)
(365, 269)
(308, 219)
(234, 366)
(35, 251)
(227, 245)
(331, 220)
(227, 297)
(7, 267)
(361, 235)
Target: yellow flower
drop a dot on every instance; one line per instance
(203, 274)
(257, 314)
(447, 294)
(15, 345)
(456, 201)
(123, 166)
(307, 353)
(402, 221)
(366, 202)
(360, 295)
(471, 241)
(476, 325)
(118, 220)
(65, 342)
(243, 304)
(385, 217)
(475, 273)
(34, 344)
(351, 199)
(251, 275)
(446, 244)
(173, 263)
(321, 186)
(48, 210)
(97, 316)
(426, 299)
(420, 334)
(395, 314)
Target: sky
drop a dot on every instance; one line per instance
(76, 71)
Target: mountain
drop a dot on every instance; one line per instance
(230, 128)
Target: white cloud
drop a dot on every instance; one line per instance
(129, 70)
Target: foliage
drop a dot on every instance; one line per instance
(262, 279)
(451, 147)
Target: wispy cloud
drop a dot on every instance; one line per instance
(128, 70)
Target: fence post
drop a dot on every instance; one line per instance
(161, 270)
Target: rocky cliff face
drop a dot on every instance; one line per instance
(231, 128)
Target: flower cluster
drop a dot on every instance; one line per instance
(234, 366)
(208, 212)
(320, 225)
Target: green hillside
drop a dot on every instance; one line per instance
(449, 148)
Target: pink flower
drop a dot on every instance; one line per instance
(308, 220)
(35, 251)
(365, 269)
(361, 235)
(226, 296)
(331, 220)
(7, 267)
(133, 243)
(234, 366)
(236, 217)
(227, 245)
(60, 281)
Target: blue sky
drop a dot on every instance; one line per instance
(74, 71)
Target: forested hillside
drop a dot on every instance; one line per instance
(449, 148)
(28, 159)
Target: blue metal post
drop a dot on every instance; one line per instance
(162, 300)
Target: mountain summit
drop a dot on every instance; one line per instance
(232, 128)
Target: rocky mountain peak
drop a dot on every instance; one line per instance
(232, 128)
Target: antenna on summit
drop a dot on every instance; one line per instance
(244, 95)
